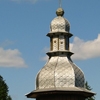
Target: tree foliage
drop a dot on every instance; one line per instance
(89, 88)
(4, 90)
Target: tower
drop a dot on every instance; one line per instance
(60, 78)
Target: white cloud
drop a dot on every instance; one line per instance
(11, 58)
(46, 49)
(45, 58)
(6, 43)
(83, 49)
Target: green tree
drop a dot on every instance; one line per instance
(89, 88)
(4, 90)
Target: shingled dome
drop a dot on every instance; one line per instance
(60, 72)
(59, 24)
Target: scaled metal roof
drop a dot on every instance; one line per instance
(59, 72)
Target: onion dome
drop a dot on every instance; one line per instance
(60, 72)
(59, 24)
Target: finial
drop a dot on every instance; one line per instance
(60, 12)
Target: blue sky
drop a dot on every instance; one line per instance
(23, 42)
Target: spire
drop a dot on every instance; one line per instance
(60, 3)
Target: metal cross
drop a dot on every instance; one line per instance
(60, 3)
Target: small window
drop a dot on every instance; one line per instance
(61, 42)
(54, 41)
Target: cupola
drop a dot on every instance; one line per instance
(59, 24)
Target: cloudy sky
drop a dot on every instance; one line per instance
(23, 42)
